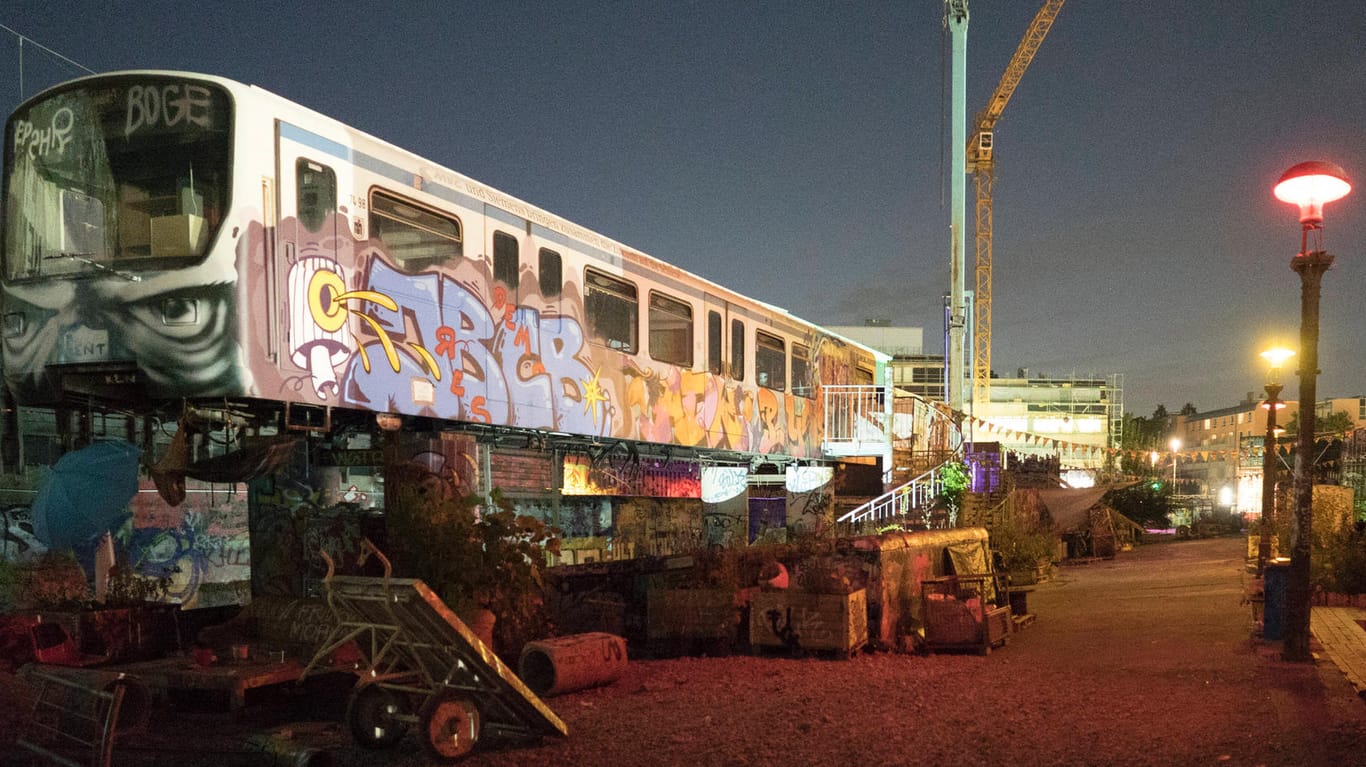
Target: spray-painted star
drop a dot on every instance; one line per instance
(592, 394)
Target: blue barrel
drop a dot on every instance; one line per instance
(1276, 581)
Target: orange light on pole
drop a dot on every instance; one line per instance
(1310, 186)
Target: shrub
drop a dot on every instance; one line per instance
(490, 558)
(1020, 547)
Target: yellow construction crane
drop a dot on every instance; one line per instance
(981, 164)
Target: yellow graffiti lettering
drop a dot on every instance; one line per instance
(384, 341)
(427, 359)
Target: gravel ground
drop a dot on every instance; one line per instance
(1148, 659)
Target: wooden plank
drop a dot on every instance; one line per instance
(1343, 640)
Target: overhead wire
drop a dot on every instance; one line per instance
(23, 39)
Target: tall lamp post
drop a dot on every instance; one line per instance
(1275, 358)
(1310, 185)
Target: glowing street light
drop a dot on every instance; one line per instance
(1275, 358)
(1309, 185)
(1175, 445)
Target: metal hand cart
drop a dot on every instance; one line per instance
(420, 664)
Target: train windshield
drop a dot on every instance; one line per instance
(117, 176)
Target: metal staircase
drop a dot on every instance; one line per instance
(908, 506)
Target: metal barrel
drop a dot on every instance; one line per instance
(569, 663)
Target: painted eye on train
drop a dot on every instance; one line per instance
(176, 310)
(13, 325)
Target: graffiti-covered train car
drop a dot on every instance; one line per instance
(173, 236)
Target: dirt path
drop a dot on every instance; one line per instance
(1147, 659)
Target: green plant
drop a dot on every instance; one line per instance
(954, 480)
(54, 581)
(1337, 561)
(1020, 547)
(828, 575)
(129, 588)
(476, 558)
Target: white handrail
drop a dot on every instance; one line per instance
(900, 503)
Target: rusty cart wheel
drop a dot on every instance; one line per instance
(375, 716)
(450, 726)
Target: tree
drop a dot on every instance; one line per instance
(1336, 422)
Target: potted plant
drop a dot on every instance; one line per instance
(1024, 553)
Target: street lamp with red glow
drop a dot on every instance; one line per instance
(1309, 185)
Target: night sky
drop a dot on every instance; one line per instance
(797, 151)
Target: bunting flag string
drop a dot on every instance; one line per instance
(1155, 456)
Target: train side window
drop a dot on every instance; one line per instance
(863, 377)
(611, 308)
(737, 350)
(414, 237)
(551, 271)
(505, 260)
(316, 188)
(801, 371)
(714, 361)
(770, 361)
(670, 330)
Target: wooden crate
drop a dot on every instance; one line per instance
(958, 617)
(803, 621)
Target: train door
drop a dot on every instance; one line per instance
(518, 339)
(727, 360)
(312, 235)
(725, 338)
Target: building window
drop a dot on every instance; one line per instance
(413, 236)
(770, 361)
(670, 330)
(611, 308)
(505, 260)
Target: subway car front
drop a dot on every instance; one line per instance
(118, 270)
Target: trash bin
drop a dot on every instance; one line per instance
(1275, 581)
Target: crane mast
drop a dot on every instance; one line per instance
(981, 164)
(956, 22)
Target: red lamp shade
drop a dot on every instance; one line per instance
(1310, 185)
